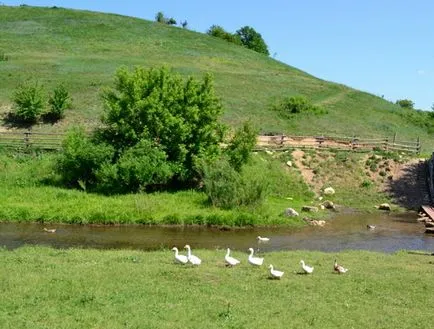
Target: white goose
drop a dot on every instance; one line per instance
(275, 273)
(231, 261)
(307, 269)
(180, 258)
(255, 260)
(262, 239)
(338, 268)
(192, 258)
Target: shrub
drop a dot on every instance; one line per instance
(59, 101)
(29, 99)
(241, 146)
(157, 104)
(366, 184)
(81, 158)
(296, 105)
(227, 189)
(137, 168)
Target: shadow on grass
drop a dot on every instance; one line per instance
(410, 189)
(11, 120)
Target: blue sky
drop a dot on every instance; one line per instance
(384, 47)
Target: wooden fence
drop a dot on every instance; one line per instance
(29, 139)
(343, 143)
(51, 141)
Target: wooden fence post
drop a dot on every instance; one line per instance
(386, 143)
(27, 138)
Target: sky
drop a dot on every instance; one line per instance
(384, 47)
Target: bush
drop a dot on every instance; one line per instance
(59, 101)
(29, 99)
(241, 146)
(81, 159)
(137, 168)
(296, 105)
(227, 189)
(182, 117)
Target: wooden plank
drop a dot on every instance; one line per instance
(429, 210)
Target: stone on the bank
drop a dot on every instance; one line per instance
(309, 208)
(329, 191)
(289, 212)
(384, 206)
(329, 204)
(289, 163)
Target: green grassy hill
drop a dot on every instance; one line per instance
(83, 49)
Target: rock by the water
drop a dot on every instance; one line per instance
(289, 163)
(289, 212)
(309, 208)
(384, 206)
(329, 191)
(329, 204)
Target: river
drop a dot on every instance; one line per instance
(346, 231)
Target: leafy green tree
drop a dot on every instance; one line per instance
(138, 167)
(405, 103)
(171, 21)
(29, 100)
(81, 159)
(180, 117)
(252, 40)
(219, 32)
(159, 17)
(59, 101)
(241, 146)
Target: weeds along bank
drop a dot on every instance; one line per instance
(84, 288)
(31, 191)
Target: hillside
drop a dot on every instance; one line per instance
(83, 49)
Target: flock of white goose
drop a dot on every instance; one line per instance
(255, 261)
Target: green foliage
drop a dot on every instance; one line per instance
(240, 148)
(160, 18)
(405, 103)
(59, 101)
(227, 189)
(138, 167)
(252, 40)
(366, 184)
(219, 32)
(297, 105)
(3, 57)
(29, 100)
(157, 105)
(81, 159)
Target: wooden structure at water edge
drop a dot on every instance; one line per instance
(427, 216)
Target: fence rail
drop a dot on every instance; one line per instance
(52, 141)
(343, 143)
(29, 139)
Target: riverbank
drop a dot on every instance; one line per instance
(31, 192)
(75, 288)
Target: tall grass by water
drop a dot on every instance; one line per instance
(30, 192)
(74, 288)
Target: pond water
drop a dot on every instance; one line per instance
(392, 233)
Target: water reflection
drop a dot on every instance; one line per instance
(392, 233)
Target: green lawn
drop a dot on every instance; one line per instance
(83, 49)
(73, 288)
